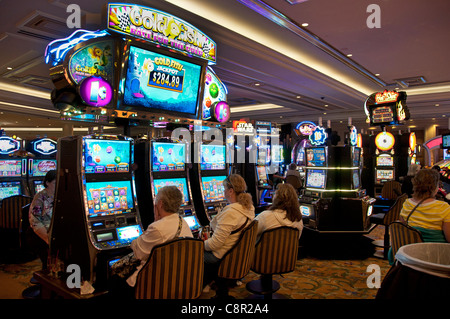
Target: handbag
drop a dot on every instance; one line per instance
(128, 264)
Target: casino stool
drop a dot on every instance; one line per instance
(386, 219)
(275, 253)
(174, 270)
(10, 216)
(236, 263)
(402, 234)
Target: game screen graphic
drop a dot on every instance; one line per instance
(156, 81)
(212, 157)
(129, 232)
(315, 157)
(215, 91)
(356, 180)
(384, 174)
(8, 189)
(315, 178)
(192, 222)
(41, 167)
(180, 183)
(356, 156)
(385, 160)
(213, 190)
(10, 168)
(106, 198)
(262, 176)
(168, 157)
(38, 186)
(106, 156)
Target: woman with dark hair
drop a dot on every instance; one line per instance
(40, 217)
(285, 211)
(423, 212)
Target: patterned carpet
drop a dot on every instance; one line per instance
(332, 273)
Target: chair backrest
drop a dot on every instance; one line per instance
(402, 234)
(391, 190)
(294, 181)
(393, 213)
(174, 270)
(11, 211)
(236, 263)
(276, 251)
(24, 224)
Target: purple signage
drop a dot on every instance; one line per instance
(95, 91)
(221, 111)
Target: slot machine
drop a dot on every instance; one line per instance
(163, 163)
(384, 160)
(95, 214)
(44, 150)
(207, 175)
(13, 169)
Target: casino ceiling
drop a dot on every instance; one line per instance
(283, 61)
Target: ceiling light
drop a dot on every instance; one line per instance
(349, 55)
(377, 74)
(298, 96)
(305, 24)
(436, 105)
(256, 107)
(24, 91)
(326, 105)
(9, 68)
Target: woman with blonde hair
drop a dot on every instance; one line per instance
(285, 211)
(227, 224)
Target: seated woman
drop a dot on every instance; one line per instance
(283, 212)
(227, 224)
(431, 217)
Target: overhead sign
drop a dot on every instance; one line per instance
(386, 108)
(221, 111)
(160, 28)
(8, 145)
(44, 146)
(243, 127)
(95, 91)
(318, 136)
(304, 128)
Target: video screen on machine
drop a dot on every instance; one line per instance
(42, 166)
(213, 189)
(385, 160)
(356, 179)
(277, 154)
(306, 210)
(156, 81)
(106, 156)
(384, 174)
(38, 186)
(356, 156)
(192, 222)
(8, 189)
(315, 178)
(316, 157)
(10, 168)
(180, 183)
(108, 198)
(129, 233)
(446, 141)
(212, 157)
(263, 179)
(168, 157)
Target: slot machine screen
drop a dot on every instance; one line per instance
(42, 166)
(356, 156)
(213, 189)
(277, 154)
(10, 168)
(156, 82)
(129, 232)
(192, 222)
(38, 186)
(446, 141)
(307, 210)
(106, 156)
(212, 157)
(316, 157)
(168, 157)
(180, 183)
(315, 178)
(262, 176)
(384, 174)
(356, 179)
(8, 189)
(108, 198)
(385, 160)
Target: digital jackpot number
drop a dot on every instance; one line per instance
(166, 81)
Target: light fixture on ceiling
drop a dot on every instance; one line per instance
(256, 107)
(9, 68)
(305, 24)
(349, 55)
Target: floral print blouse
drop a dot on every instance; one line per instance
(41, 210)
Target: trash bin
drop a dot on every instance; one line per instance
(422, 271)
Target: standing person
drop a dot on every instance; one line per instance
(407, 186)
(285, 211)
(40, 217)
(295, 180)
(227, 224)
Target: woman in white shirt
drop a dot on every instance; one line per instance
(285, 211)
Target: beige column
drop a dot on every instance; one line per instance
(67, 129)
(430, 132)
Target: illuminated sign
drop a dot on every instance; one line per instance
(353, 135)
(386, 108)
(386, 97)
(221, 112)
(305, 128)
(95, 91)
(8, 145)
(44, 146)
(359, 140)
(215, 91)
(384, 141)
(318, 136)
(160, 28)
(243, 127)
(412, 141)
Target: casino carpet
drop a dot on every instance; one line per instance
(325, 274)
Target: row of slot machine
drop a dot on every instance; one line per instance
(22, 173)
(333, 199)
(106, 189)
